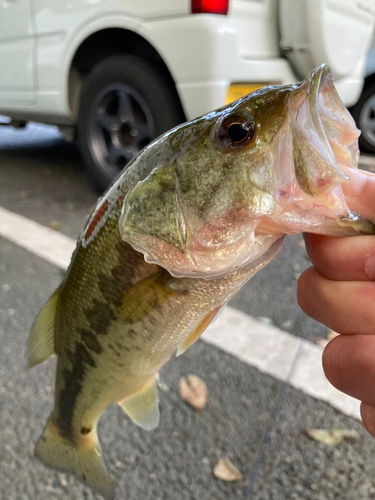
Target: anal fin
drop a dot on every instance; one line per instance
(197, 332)
(143, 407)
(41, 343)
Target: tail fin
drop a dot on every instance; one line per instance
(82, 460)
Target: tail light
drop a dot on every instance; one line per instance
(209, 6)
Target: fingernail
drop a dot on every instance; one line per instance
(370, 267)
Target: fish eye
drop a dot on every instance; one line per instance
(235, 131)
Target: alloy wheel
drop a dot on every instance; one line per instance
(367, 120)
(121, 124)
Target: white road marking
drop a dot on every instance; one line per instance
(272, 351)
(44, 242)
(277, 353)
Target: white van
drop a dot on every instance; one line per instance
(121, 72)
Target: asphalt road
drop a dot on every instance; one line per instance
(256, 420)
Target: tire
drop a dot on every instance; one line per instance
(364, 115)
(125, 104)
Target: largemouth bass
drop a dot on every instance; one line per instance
(190, 220)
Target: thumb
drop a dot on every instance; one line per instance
(359, 192)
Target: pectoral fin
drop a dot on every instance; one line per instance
(146, 295)
(41, 344)
(195, 334)
(143, 407)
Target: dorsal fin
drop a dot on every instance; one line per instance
(41, 343)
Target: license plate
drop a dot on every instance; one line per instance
(237, 90)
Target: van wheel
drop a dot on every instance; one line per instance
(364, 115)
(125, 104)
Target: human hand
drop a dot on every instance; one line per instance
(339, 291)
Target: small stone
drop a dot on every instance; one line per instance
(205, 461)
(287, 324)
(152, 477)
(118, 464)
(246, 401)
(313, 487)
(10, 312)
(263, 417)
(175, 435)
(63, 482)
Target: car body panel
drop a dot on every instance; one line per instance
(17, 53)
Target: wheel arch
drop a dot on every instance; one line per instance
(107, 42)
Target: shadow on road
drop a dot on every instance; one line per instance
(39, 142)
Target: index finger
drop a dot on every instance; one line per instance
(342, 259)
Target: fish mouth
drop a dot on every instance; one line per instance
(314, 152)
(331, 115)
(325, 138)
